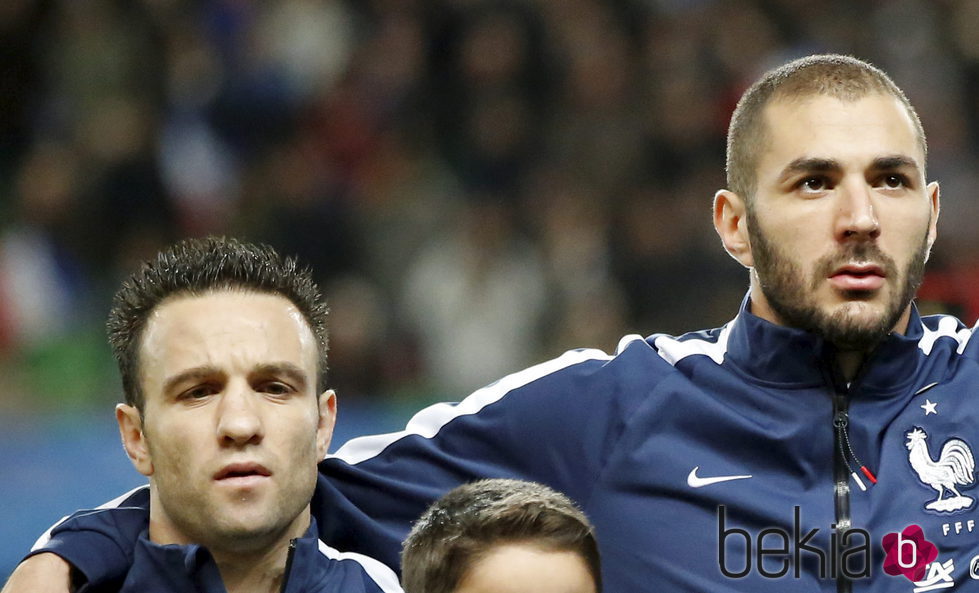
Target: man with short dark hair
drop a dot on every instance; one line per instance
(501, 536)
(222, 350)
(870, 288)
(776, 453)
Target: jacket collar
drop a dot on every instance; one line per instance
(788, 357)
(191, 567)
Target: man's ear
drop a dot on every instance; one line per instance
(133, 440)
(731, 224)
(327, 419)
(934, 197)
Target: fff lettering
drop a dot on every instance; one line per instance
(776, 552)
(958, 527)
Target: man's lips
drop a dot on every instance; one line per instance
(861, 277)
(242, 473)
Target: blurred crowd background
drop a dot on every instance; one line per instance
(478, 185)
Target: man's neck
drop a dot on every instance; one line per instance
(850, 363)
(259, 572)
(247, 564)
(262, 568)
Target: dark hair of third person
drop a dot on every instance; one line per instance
(472, 519)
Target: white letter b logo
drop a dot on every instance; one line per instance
(901, 542)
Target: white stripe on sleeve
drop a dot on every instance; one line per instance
(114, 503)
(430, 420)
(376, 570)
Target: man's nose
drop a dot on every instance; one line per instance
(857, 216)
(239, 419)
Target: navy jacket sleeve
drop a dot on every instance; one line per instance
(555, 423)
(100, 542)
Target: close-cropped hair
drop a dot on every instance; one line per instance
(194, 267)
(473, 519)
(843, 77)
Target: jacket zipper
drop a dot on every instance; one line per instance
(285, 577)
(842, 453)
(841, 476)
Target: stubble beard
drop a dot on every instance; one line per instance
(791, 296)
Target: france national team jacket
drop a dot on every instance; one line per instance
(734, 459)
(311, 566)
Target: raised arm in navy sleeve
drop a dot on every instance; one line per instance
(99, 543)
(554, 423)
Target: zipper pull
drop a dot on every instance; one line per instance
(841, 421)
(288, 571)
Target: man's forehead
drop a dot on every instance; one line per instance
(828, 127)
(239, 326)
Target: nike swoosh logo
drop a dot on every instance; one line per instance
(695, 481)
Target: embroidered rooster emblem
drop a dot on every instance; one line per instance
(954, 467)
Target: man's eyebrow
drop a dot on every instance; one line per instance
(196, 373)
(889, 163)
(809, 165)
(282, 369)
(820, 165)
(279, 369)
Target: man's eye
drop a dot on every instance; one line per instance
(276, 388)
(813, 184)
(198, 392)
(893, 181)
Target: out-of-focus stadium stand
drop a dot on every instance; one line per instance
(477, 184)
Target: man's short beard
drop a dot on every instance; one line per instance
(791, 296)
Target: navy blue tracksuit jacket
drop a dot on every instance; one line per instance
(147, 567)
(734, 459)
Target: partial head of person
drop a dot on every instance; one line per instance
(502, 536)
(222, 349)
(827, 202)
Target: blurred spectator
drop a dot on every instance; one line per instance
(475, 297)
(480, 182)
(21, 82)
(41, 279)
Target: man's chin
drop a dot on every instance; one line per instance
(858, 312)
(856, 326)
(246, 536)
(854, 341)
